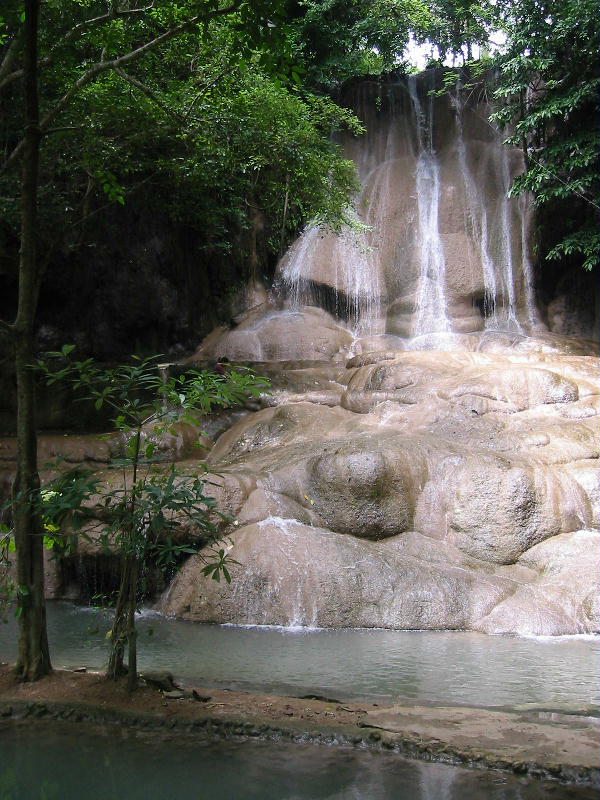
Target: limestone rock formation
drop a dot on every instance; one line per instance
(445, 490)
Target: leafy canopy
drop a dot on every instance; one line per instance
(549, 88)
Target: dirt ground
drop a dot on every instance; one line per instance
(542, 744)
(94, 688)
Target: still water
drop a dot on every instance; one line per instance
(55, 762)
(425, 666)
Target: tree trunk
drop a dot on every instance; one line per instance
(131, 632)
(119, 631)
(123, 629)
(33, 659)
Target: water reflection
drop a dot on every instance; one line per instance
(60, 761)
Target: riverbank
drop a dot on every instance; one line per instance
(543, 744)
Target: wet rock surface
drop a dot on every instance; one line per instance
(428, 455)
(474, 505)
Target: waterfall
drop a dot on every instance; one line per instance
(431, 306)
(347, 264)
(477, 215)
(507, 265)
(438, 246)
(526, 213)
(294, 265)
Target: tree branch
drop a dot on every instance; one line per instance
(11, 54)
(71, 34)
(63, 128)
(101, 208)
(149, 94)
(204, 89)
(97, 69)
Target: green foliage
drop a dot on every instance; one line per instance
(584, 243)
(217, 122)
(549, 81)
(455, 26)
(149, 506)
(339, 39)
(144, 511)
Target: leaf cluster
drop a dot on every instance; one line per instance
(217, 121)
(454, 27)
(548, 85)
(335, 40)
(149, 514)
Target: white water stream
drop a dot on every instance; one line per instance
(431, 307)
(476, 215)
(408, 252)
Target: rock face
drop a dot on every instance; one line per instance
(442, 490)
(443, 260)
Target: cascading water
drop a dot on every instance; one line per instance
(294, 265)
(431, 306)
(500, 301)
(404, 201)
(507, 266)
(476, 214)
(526, 213)
(356, 297)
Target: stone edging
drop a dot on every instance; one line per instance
(214, 728)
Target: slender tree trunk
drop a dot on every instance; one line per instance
(131, 631)
(33, 659)
(123, 629)
(119, 630)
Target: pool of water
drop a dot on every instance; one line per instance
(424, 666)
(60, 761)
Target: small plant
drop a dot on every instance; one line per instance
(146, 511)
